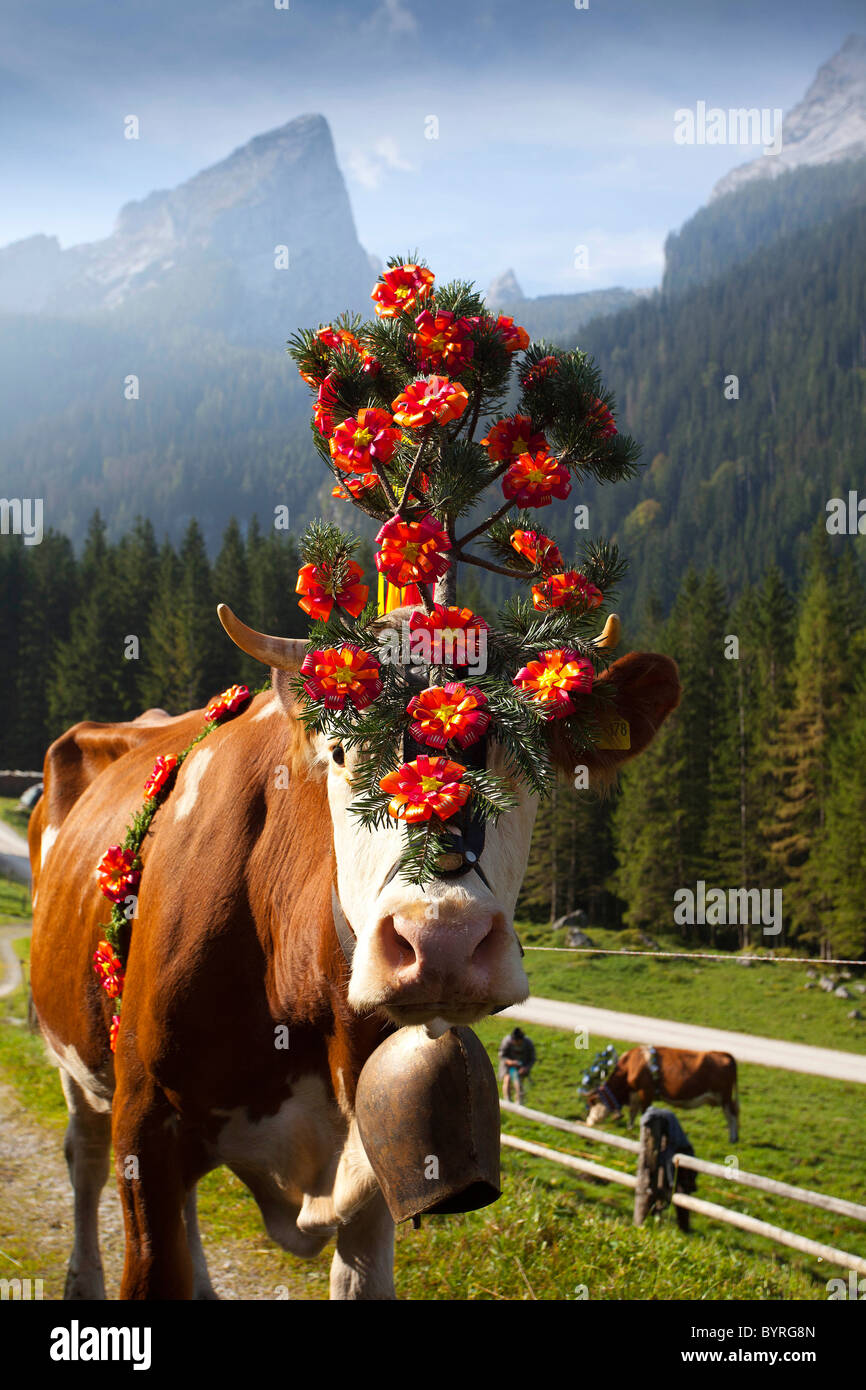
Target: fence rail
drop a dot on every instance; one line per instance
(838, 1205)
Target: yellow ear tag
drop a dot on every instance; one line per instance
(615, 733)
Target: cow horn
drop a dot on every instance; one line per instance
(610, 635)
(285, 653)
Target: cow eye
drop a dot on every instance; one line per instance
(338, 754)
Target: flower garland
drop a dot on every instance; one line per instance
(118, 872)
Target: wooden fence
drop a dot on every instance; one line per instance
(839, 1205)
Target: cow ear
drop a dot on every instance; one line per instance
(646, 689)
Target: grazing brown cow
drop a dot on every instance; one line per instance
(684, 1079)
(253, 877)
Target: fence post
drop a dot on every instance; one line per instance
(645, 1159)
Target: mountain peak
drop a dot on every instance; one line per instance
(827, 125)
(260, 242)
(504, 289)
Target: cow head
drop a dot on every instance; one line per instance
(446, 953)
(600, 1109)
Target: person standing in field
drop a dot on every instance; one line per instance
(516, 1060)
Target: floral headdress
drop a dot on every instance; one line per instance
(400, 403)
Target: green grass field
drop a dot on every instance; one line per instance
(11, 813)
(554, 1235)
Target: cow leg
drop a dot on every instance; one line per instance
(87, 1146)
(153, 1193)
(363, 1263)
(202, 1287)
(732, 1114)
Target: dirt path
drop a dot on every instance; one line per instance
(36, 1221)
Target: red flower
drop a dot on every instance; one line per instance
(412, 551)
(113, 1031)
(449, 711)
(323, 410)
(513, 436)
(227, 702)
(424, 788)
(399, 290)
(317, 586)
(533, 481)
(338, 674)
(447, 620)
(162, 770)
(356, 443)
(601, 420)
(544, 367)
(422, 402)
(109, 968)
(540, 550)
(551, 680)
(337, 338)
(356, 486)
(443, 340)
(514, 337)
(116, 873)
(568, 590)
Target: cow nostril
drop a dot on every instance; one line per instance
(400, 952)
(489, 945)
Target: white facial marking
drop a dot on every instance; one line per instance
(193, 770)
(49, 835)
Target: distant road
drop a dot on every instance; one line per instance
(663, 1032)
(14, 855)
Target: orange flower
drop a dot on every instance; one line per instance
(513, 436)
(412, 551)
(116, 873)
(424, 788)
(514, 337)
(601, 420)
(441, 340)
(535, 373)
(551, 681)
(227, 702)
(355, 444)
(449, 711)
(323, 410)
(162, 770)
(320, 595)
(569, 590)
(399, 290)
(109, 968)
(540, 550)
(338, 674)
(533, 481)
(113, 1032)
(422, 402)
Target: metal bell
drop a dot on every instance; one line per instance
(428, 1117)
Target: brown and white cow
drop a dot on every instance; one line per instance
(684, 1079)
(233, 942)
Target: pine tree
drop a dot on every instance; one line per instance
(799, 752)
(43, 618)
(839, 853)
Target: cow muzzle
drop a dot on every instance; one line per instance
(430, 960)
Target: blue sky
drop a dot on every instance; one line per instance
(555, 124)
